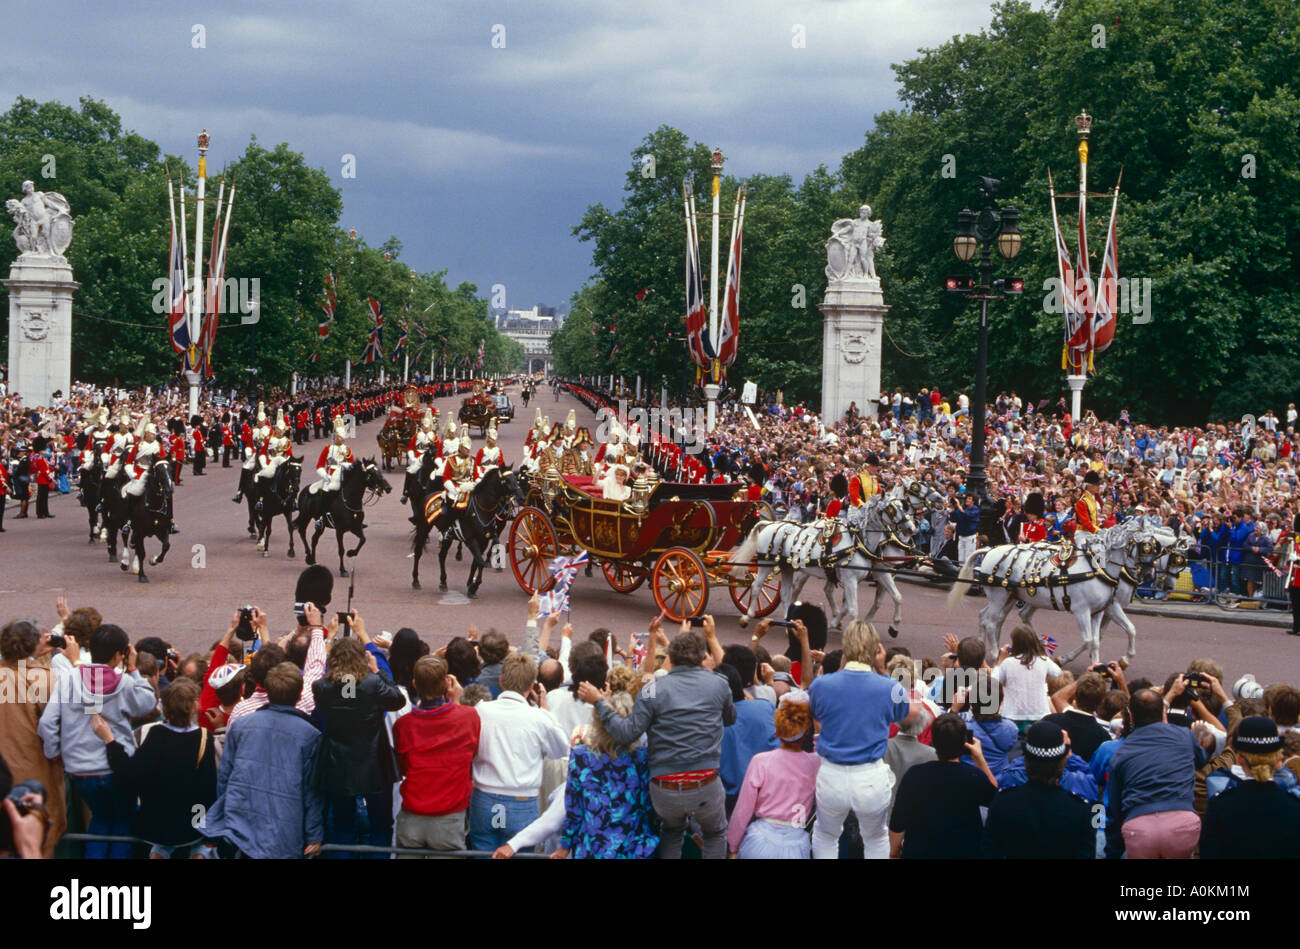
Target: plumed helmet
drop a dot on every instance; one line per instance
(464, 433)
(315, 585)
(450, 428)
(537, 420)
(492, 433)
(426, 421)
(261, 413)
(340, 429)
(281, 423)
(571, 422)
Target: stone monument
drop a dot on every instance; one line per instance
(40, 297)
(853, 312)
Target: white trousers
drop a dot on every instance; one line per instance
(269, 469)
(966, 547)
(417, 459)
(331, 479)
(861, 788)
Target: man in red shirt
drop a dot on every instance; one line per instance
(435, 745)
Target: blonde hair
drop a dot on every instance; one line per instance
(861, 642)
(599, 740)
(1260, 765)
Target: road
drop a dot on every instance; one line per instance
(214, 567)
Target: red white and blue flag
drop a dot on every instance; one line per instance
(327, 307)
(1073, 354)
(729, 344)
(698, 344)
(374, 349)
(400, 348)
(564, 569)
(177, 324)
(1103, 316)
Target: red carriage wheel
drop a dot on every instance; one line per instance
(621, 578)
(531, 547)
(680, 584)
(769, 596)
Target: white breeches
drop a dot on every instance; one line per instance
(331, 478)
(270, 467)
(417, 459)
(250, 460)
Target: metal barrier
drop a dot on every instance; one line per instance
(1224, 585)
(325, 848)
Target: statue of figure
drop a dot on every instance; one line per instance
(851, 250)
(44, 221)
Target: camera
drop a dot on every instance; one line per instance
(58, 641)
(696, 621)
(344, 623)
(300, 613)
(19, 791)
(1195, 680)
(244, 630)
(1101, 669)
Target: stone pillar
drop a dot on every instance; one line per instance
(40, 327)
(853, 312)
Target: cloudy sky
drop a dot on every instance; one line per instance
(481, 159)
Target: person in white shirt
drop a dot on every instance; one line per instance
(515, 738)
(1022, 670)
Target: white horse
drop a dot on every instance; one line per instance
(919, 497)
(1084, 585)
(1169, 560)
(837, 551)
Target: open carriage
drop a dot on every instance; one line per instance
(394, 438)
(677, 536)
(478, 411)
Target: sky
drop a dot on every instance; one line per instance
(482, 130)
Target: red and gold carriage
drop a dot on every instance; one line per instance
(677, 536)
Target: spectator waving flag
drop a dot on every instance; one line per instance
(564, 569)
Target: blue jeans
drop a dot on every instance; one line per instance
(495, 818)
(342, 827)
(111, 810)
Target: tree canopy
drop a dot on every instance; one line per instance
(284, 234)
(1195, 102)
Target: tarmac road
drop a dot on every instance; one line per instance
(213, 568)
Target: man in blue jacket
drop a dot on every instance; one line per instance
(1152, 783)
(1243, 525)
(269, 801)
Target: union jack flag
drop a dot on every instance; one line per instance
(1048, 643)
(564, 569)
(1256, 467)
(374, 350)
(400, 347)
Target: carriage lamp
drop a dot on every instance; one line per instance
(550, 485)
(639, 502)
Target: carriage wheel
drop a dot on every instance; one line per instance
(769, 597)
(680, 584)
(531, 548)
(764, 511)
(621, 578)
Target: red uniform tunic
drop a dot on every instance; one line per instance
(227, 437)
(198, 441)
(41, 472)
(324, 460)
(1032, 532)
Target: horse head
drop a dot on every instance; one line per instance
(159, 479)
(374, 479)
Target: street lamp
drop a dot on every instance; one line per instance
(989, 228)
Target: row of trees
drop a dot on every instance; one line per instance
(1194, 101)
(284, 233)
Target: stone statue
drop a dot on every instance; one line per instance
(44, 221)
(851, 250)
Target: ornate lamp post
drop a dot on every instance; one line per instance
(989, 228)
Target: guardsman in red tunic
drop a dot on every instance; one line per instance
(200, 450)
(301, 421)
(318, 420)
(1087, 510)
(839, 492)
(227, 443)
(1032, 529)
(178, 451)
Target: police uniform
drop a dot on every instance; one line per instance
(1037, 821)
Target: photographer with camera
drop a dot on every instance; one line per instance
(24, 825)
(29, 685)
(247, 625)
(1077, 705)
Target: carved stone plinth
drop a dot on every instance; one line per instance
(853, 313)
(40, 327)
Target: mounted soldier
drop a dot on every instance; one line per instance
(329, 466)
(460, 474)
(146, 450)
(424, 440)
(490, 455)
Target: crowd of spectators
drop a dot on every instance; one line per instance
(631, 746)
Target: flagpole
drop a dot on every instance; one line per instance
(1077, 380)
(196, 310)
(711, 389)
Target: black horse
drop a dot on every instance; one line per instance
(250, 489)
(89, 481)
(278, 498)
(113, 510)
(477, 525)
(150, 515)
(341, 509)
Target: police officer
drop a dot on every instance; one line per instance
(1040, 820)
